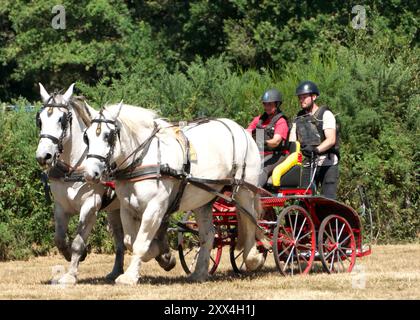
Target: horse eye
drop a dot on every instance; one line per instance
(106, 137)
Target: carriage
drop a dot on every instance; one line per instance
(302, 227)
(157, 174)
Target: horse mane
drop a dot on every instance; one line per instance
(133, 116)
(80, 106)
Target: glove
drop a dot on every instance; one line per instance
(308, 150)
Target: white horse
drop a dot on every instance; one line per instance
(62, 122)
(115, 139)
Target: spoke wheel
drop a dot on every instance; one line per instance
(336, 245)
(294, 241)
(189, 246)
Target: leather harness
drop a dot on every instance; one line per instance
(64, 172)
(137, 172)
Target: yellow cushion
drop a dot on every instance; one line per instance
(286, 165)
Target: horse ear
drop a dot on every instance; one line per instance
(45, 96)
(91, 111)
(120, 105)
(115, 112)
(68, 93)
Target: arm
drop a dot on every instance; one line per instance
(329, 127)
(281, 131)
(329, 141)
(272, 143)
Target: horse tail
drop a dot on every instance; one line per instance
(259, 233)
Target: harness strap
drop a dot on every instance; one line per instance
(47, 190)
(155, 172)
(48, 136)
(234, 163)
(175, 204)
(100, 158)
(79, 162)
(63, 171)
(108, 197)
(144, 147)
(139, 172)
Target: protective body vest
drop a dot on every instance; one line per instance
(269, 130)
(309, 130)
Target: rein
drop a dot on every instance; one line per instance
(144, 147)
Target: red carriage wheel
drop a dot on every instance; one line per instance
(336, 244)
(189, 246)
(294, 241)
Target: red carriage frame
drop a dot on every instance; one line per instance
(313, 228)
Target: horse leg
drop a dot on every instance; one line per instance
(130, 227)
(143, 250)
(87, 219)
(247, 230)
(165, 259)
(159, 247)
(61, 220)
(204, 217)
(114, 220)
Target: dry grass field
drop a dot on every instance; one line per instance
(391, 272)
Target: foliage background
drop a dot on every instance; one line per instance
(215, 58)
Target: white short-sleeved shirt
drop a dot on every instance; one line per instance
(328, 122)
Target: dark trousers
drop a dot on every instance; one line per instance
(326, 177)
(270, 161)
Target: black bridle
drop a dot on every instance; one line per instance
(65, 120)
(112, 138)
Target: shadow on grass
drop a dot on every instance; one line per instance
(92, 280)
(223, 276)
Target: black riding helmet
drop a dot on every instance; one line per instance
(307, 87)
(272, 95)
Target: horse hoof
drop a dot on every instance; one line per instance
(113, 275)
(166, 261)
(127, 280)
(83, 256)
(194, 277)
(67, 255)
(255, 263)
(67, 279)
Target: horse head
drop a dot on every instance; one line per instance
(54, 122)
(101, 139)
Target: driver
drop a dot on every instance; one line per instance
(274, 130)
(316, 129)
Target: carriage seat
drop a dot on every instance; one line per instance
(288, 172)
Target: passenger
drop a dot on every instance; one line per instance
(273, 135)
(316, 130)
